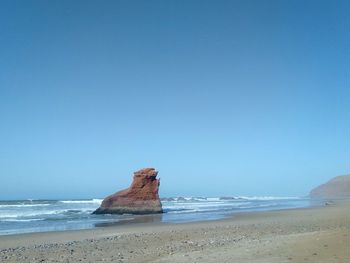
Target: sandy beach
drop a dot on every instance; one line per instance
(319, 234)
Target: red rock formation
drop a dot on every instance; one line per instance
(140, 198)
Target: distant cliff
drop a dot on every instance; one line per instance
(338, 187)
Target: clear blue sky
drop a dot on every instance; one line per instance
(222, 97)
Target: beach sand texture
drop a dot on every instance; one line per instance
(319, 234)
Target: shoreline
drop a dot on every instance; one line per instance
(230, 238)
(151, 220)
(18, 217)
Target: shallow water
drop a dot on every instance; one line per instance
(25, 216)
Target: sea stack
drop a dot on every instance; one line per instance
(140, 198)
(336, 188)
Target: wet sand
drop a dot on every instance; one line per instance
(319, 234)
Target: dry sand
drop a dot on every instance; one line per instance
(301, 235)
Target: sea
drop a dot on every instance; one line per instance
(27, 216)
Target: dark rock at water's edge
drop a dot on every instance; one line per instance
(336, 188)
(140, 198)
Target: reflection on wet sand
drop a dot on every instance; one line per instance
(135, 219)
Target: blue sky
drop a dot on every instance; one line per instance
(222, 97)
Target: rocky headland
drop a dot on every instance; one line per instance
(336, 188)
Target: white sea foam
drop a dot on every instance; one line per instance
(21, 220)
(268, 198)
(213, 199)
(42, 213)
(92, 201)
(19, 214)
(231, 198)
(23, 205)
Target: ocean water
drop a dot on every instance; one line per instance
(25, 216)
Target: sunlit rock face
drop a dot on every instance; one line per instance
(140, 198)
(337, 188)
